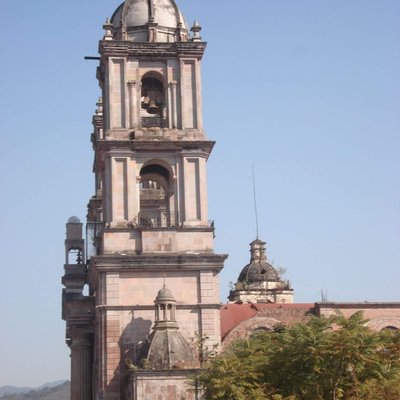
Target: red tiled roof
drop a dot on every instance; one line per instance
(233, 314)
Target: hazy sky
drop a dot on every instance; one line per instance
(306, 90)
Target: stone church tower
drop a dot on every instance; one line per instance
(148, 258)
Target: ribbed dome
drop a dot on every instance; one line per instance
(168, 349)
(133, 16)
(258, 270)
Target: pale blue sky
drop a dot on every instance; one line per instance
(307, 90)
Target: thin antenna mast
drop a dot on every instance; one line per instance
(255, 199)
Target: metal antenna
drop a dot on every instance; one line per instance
(255, 199)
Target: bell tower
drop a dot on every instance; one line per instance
(147, 223)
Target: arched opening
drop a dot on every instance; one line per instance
(153, 101)
(155, 197)
(260, 329)
(390, 328)
(74, 256)
(387, 323)
(86, 291)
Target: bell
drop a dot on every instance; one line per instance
(152, 108)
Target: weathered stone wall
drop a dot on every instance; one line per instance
(165, 385)
(380, 315)
(239, 321)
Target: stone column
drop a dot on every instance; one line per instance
(132, 104)
(81, 368)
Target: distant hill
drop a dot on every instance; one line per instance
(45, 392)
(13, 389)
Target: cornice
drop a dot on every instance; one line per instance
(356, 305)
(125, 146)
(158, 262)
(202, 306)
(118, 48)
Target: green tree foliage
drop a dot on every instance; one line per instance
(324, 359)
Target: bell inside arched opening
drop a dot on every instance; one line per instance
(153, 101)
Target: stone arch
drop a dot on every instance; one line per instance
(155, 76)
(164, 164)
(153, 100)
(246, 328)
(261, 323)
(378, 324)
(157, 200)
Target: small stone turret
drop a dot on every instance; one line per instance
(259, 281)
(167, 348)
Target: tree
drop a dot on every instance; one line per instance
(324, 359)
(235, 374)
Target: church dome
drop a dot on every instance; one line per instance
(149, 21)
(258, 270)
(259, 281)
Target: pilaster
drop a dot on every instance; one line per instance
(133, 115)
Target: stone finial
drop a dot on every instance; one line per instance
(196, 29)
(108, 27)
(181, 33)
